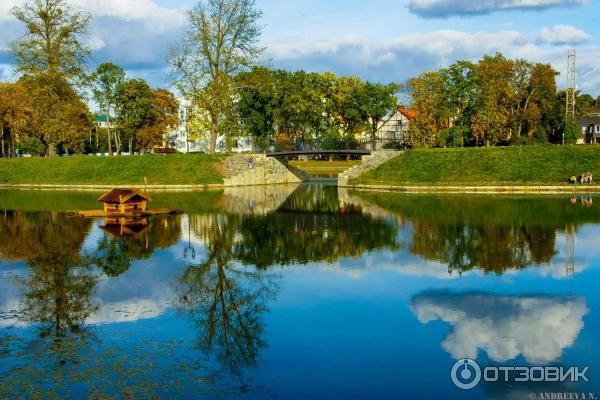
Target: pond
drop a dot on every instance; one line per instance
(296, 292)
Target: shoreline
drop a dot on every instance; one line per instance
(98, 188)
(491, 189)
(434, 189)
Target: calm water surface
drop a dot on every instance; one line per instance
(295, 293)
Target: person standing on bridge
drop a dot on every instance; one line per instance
(250, 162)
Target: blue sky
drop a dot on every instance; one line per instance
(379, 40)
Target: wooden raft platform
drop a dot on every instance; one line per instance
(126, 203)
(137, 214)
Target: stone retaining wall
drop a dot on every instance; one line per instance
(265, 171)
(368, 163)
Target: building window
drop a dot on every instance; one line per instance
(598, 128)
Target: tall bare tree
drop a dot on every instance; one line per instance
(52, 42)
(221, 41)
(51, 57)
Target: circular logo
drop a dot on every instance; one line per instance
(465, 374)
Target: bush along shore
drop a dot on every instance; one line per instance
(503, 167)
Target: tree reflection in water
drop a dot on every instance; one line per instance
(126, 240)
(495, 235)
(65, 358)
(225, 301)
(57, 293)
(493, 248)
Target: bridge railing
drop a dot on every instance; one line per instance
(315, 145)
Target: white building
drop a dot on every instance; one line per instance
(183, 140)
(103, 123)
(590, 129)
(396, 125)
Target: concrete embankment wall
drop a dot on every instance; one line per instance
(368, 163)
(264, 171)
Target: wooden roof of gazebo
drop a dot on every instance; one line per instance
(121, 196)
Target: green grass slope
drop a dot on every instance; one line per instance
(176, 169)
(525, 165)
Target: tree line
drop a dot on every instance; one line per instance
(45, 110)
(282, 106)
(217, 66)
(495, 101)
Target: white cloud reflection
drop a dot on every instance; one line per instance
(537, 327)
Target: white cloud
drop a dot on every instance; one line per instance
(95, 42)
(446, 8)
(6, 72)
(564, 34)
(406, 56)
(135, 34)
(160, 18)
(6, 6)
(537, 327)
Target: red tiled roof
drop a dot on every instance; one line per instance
(118, 196)
(408, 113)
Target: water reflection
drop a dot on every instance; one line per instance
(188, 304)
(225, 301)
(57, 293)
(494, 235)
(538, 328)
(136, 239)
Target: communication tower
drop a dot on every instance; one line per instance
(571, 83)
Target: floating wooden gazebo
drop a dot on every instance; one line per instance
(126, 203)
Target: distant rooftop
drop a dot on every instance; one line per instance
(408, 113)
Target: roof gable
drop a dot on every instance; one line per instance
(408, 113)
(120, 196)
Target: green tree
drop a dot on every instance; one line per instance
(374, 101)
(14, 115)
(539, 117)
(221, 41)
(571, 131)
(459, 92)
(490, 122)
(426, 94)
(59, 118)
(162, 115)
(145, 114)
(343, 110)
(257, 98)
(105, 82)
(51, 58)
(52, 42)
(133, 104)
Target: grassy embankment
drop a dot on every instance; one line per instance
(176, 169)
(324, 168)
(526, 165)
